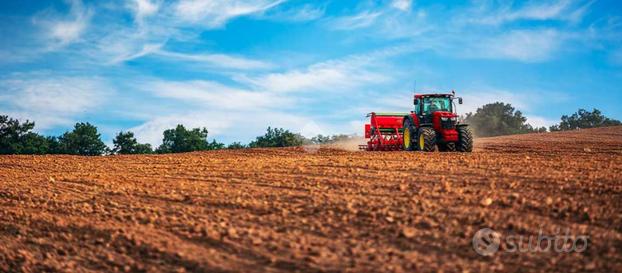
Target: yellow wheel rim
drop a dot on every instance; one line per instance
(421, 142)
(406, 138)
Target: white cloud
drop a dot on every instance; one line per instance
(403, 5)
(537, 121)
(215, 95)
(360, 20)
(334, 75)
(299, 14)
(66, 32)
(63, 31)
(475, 99)
(130, 50)
(52, 101)
(386, 21)
(217, 60)
(144, 8)
(159, 22)
(537, 11)
(520, 45)
(476, 32)
(215, 13)
(126, 54)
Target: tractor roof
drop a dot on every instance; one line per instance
(432, 95)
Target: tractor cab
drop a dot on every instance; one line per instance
(431, 107)
(426, 104)
(430, 104)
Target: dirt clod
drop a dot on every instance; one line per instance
(486, 202)
(409, 232)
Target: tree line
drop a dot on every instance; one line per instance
(496, 119)
(18, 138)
(489, 120)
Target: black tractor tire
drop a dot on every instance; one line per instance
(447, 147)
(426, 140)
(408, 135)
(465, 140)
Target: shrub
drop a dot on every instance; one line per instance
(277, 137)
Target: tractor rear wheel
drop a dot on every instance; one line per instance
(465, 139)
(408, 136)
(427, 139)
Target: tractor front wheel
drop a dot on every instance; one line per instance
(408, 136)
(427, 139)
(465, 139)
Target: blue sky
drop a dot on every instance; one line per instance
(239, 66)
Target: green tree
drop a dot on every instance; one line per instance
(215, 145)
(236, 145)
(126, 143)
(83, 140)
(584, 119)
(497, 119)
(33, 143)
(18, 138)
(54, 146)
(277, 137)
(180, 140)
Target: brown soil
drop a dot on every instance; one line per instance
(269, 210)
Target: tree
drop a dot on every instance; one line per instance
(215, 145)
(83, 140)
(584, 119)
(33, 143)
(540, 130)
(180, 140)
(277, 137)
(18, 138)
(496, 119)
(126, 143)
(236, 145)
(54, 146)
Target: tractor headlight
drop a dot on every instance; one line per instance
(454, 119)
(444, 119)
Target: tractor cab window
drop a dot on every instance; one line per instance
(433, 104)
(417, 107)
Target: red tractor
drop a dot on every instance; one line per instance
(434, 123)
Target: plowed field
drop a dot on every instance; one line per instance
(270, 210)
